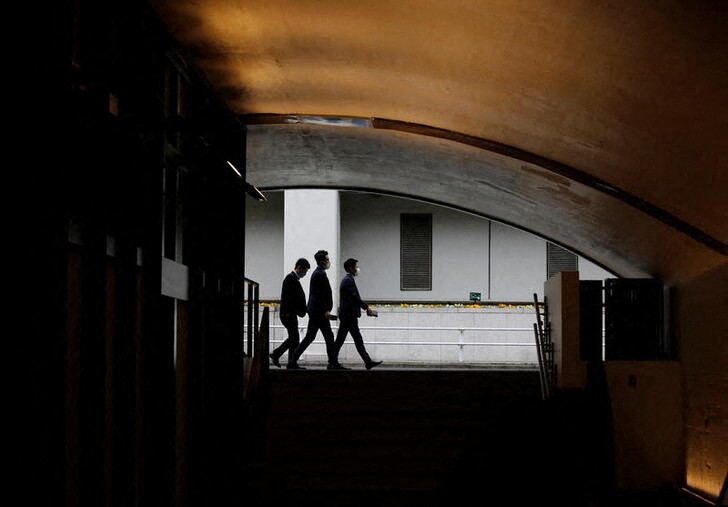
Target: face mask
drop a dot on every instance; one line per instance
(357, 271)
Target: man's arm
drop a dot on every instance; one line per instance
(352, 293)
(286, 292)
(300, 301)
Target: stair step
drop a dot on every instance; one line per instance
(372, 466)
(380, 419)
(365, 450)
(372, 435)
(362, 482)
(381, 438)
(353, 498)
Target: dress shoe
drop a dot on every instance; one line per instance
(372, 364)
(337, 366)
(275, 360)
(294, 367)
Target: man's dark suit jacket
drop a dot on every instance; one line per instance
(293, 299)
(350, 303)
(319, 294)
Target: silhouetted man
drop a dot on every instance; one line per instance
(293, 305)
(350, 307)
(320, 303)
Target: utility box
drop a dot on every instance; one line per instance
(634, 320)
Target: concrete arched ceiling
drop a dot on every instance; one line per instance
(629, 96)
(607, 230)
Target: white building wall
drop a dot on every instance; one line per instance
(371, 235)
(460, 255)
(518, 264)
(370, 231)
(370, 227)
(264, 244)
(590, 271)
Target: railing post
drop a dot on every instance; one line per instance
(259, 362)
(264, 336)
(256, 305)
(461, 344)
(542, 346)
(249, 348)
(541, 365)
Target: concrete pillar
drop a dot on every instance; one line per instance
(311, 223)
(561, 292)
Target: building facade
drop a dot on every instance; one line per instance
(452, 257)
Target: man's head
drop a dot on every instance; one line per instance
(351, 266)
(322, 259)
(302, 267)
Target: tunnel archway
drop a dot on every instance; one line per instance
(601, 225)
(631, 94)
(631, 97)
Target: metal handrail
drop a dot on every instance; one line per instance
(259, 362)
(461, 344)
(253, 304)
(544, 348)
(409, 328)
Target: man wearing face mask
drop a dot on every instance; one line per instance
(320, 303)
(293, 305)
(350, 307)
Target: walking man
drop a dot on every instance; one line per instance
(293, 305)
(350, 307)
(320, 304)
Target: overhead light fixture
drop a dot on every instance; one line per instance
(253, 192)
(234, 169)
(250, 189)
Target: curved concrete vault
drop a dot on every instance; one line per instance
(613, 114)
(607, 230)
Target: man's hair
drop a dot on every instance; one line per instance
(349, 264)
(302, 263)
(320, 256)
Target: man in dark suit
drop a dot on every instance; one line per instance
(293, 305)
(320, 303)
(350, 307)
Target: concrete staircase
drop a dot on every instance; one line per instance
(397, 437)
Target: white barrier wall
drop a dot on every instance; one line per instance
(434, 336)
